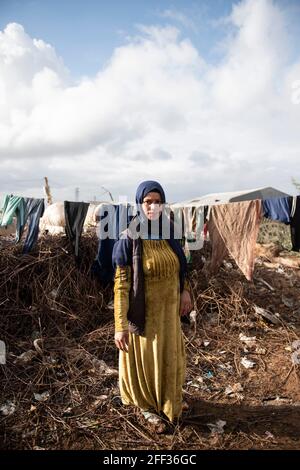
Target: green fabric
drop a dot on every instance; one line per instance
(14, 206)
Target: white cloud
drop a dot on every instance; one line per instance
(179, 17)
(157, 110)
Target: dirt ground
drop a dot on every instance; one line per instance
(242, 380)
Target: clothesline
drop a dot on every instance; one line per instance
(232, 228)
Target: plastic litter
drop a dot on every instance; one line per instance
(296, 344)
(208, 375)
(41, 397)
(250, 341)
(247, 363)
(8, 408)
(233, 389)
(2, 353)
(295, 356)
(193, 316)
(218, 427)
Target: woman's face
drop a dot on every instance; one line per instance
(152, 205)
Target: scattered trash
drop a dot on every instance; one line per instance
(269, 435)
(41, 396)
(227, 366)
(218, 427)
(208, 375)
(260, 350)
(296, 344)
(249, 340)
(2, 353)
(198, 383)
(266, 314)
(227, 265)
(234, 389)
(206, 343)
(25, 357)
(193, 316)
(295, 356)
(247, 363)
(8, 408)
(276, 400)
(193, 384)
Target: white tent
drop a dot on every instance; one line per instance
(236, 196)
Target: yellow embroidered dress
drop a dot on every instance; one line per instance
(152, 373)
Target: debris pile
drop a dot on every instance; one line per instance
(59, 378)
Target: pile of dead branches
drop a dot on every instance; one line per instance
(47, 289)
(57, 326)
(59, 386)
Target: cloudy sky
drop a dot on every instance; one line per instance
(203, 96)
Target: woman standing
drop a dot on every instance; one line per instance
(151, 293)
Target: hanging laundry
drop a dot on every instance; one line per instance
(14, 206)
(233, 229)
(75, 214)
(113, 220)
(191, 219)
(277, 209)
(295, 223)
(34, 209)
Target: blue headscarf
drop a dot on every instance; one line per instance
(149, 187)
(144, 226)
(122, 252)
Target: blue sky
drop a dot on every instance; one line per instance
(85, 32)
(193, 91)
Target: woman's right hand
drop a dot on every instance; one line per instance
(122, 340)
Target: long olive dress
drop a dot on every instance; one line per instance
(151, 374)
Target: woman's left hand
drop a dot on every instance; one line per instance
(185, 303)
